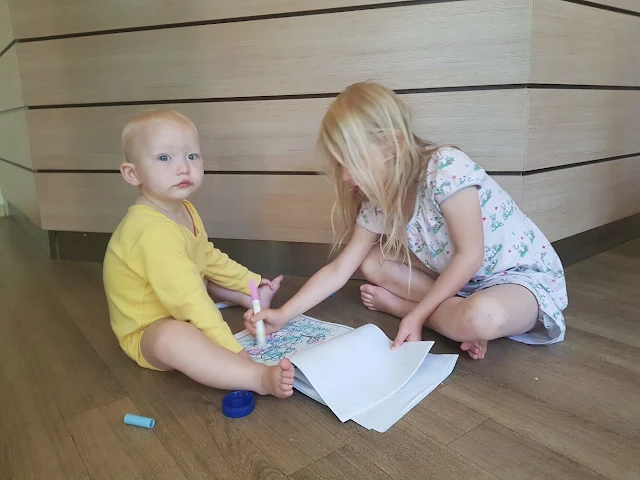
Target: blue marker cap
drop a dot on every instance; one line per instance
(139, 421)
(238, 404)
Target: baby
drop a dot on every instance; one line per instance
(160, 269)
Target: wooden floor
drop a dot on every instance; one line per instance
(570, 411)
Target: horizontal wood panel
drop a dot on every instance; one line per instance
(255, 207)
(10, 90)
(431, 45)
(6, 32)
(573, 200)
(14, 138)
(19, 188)
(39, 18)
(575, 44)
(571, 126)
(280, 135)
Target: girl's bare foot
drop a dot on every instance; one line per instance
(381, 299)
(476, 350)
(278, 379)
(266, 294)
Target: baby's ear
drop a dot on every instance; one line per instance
(128, 171)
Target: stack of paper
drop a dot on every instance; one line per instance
(355, 372)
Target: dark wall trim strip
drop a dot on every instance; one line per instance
(580, 164)
(312, 173)
(600, 6)
(307, 96)
(559, 86)
(303, 13)
(6, 49)
(23, 167)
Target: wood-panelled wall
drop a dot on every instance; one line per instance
(544, 94)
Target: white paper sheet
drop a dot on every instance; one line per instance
(301, 383)
(433, 371)
(358, 370)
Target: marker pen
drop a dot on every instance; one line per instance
(255, 301)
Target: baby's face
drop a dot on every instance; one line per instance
(167, 160)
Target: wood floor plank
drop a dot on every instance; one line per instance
(112, 450)
(600, 316)
(276, 425)
(403, 451)
(77, 376)
(571, 387)
(203, 442)
(34, 439)
(320, 414)
(341, 464)
(590, 445)
(512, 456)
(443, 419)
(601, 348)
(58, 354)
(579, 366)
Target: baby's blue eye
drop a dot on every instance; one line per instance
(192, 156)
(163, 158)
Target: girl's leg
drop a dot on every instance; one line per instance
(172, 345)
(390, 292)
(496, 312)
(239, 298)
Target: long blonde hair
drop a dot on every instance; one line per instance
(365, 116)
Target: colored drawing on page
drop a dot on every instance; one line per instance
(300, 333)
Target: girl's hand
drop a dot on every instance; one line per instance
(410, 331)
(273, 320)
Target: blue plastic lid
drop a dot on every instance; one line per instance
(238, 404)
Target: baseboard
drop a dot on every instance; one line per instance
(586, 244)
(303, 259)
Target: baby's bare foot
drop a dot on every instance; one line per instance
(278, 379)
(380, 299)
(266, 294)
(476, 350)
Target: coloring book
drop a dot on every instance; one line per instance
(354, 372)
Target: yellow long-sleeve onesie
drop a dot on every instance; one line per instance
(154, 268)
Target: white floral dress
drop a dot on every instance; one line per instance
(515, 251)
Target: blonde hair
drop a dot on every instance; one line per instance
(365, 116)
(135, 125)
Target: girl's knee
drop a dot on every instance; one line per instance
(481, 317)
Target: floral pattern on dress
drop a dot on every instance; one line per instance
(516, 251)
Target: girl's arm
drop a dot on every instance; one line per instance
(463, 216)
(329, 279)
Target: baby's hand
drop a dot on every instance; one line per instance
(273, 320)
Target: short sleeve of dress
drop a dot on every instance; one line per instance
(370, 218)
(451, 171)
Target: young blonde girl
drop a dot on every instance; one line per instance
(441, 243)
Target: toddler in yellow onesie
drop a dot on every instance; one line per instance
(160, 268)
